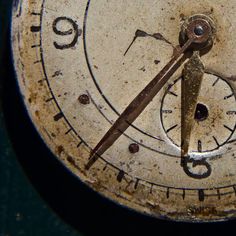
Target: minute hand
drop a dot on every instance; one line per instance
(137, 106)
(191, 84)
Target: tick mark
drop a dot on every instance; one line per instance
(80, 143)
(218, 194)
(41, 81)
(172, 93)
(173, 127)
(216, 141)
(136, 184)
(72, 161)
(229, 96)
(234, 187)
(49, 100)
(36, 46)
(183, 195)
(228, 128)
(35, 29)
(201, 195)
(35, 14)
(217, 80)
(67, 132)
(120, 176)
(168, 193)
(199, 146)
(104, 168)
(151, 189)
(232, 141)
(58, 116)
(36, 62)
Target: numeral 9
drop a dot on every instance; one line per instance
(74, 30)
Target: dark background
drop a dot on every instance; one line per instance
(38, 197)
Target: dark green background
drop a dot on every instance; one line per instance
(38, 197)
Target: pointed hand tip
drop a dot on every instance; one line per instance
(93, 157)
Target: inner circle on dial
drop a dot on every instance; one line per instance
(214, 121)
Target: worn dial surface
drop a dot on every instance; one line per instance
(79, 65)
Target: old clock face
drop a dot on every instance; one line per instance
(164, 146)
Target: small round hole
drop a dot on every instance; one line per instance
(202, 112)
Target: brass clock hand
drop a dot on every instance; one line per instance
(191, 84)
(136, 107)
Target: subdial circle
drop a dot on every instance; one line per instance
(215, 115)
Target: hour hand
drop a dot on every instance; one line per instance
(191, 84)
(143, 34)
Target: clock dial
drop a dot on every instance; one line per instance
(214, 115)
(81, 63)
